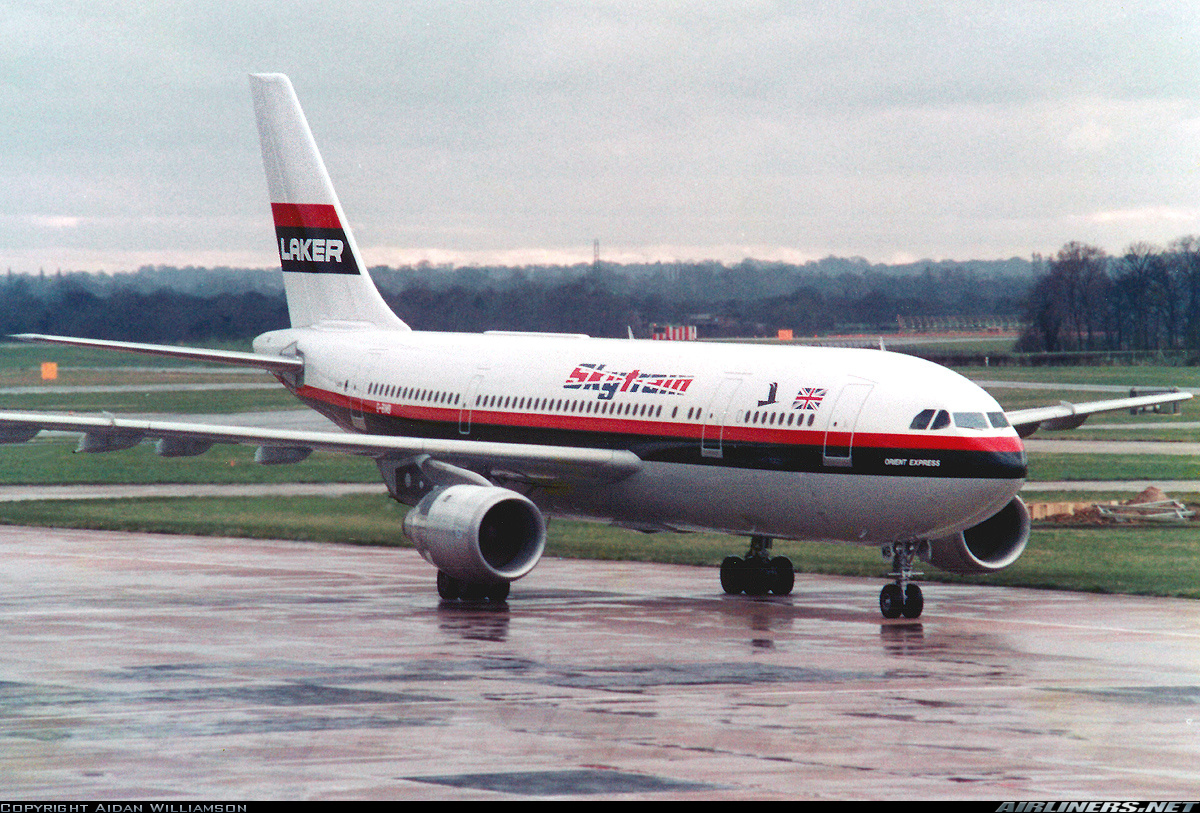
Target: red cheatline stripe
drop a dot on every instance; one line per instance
(783, 437)
(305, 215)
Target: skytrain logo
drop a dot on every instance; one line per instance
(311, 239)
(608, 383)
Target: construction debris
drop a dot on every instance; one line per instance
(1152, 505)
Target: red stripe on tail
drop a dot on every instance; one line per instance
(305, 215)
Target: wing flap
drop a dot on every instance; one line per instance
(1067, 415)
(529, 459)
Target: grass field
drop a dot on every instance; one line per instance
(51, 462)
(1044, 466)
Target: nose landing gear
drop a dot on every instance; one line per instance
(758, 573)
(902, 597)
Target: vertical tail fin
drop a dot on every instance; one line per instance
(323, 274)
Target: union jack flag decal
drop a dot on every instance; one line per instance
(809, 398)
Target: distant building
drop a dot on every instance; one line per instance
(674, 333)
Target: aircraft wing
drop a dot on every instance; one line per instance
(275, 364)
(102, 433)
(1067, 415)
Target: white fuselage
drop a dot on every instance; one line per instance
(782, 441)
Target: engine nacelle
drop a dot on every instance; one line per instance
(992, 545)
(478, 534)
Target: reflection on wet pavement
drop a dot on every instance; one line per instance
(165, 667)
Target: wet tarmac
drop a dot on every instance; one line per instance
(183, 668)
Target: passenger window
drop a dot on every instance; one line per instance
(922, 419)
(941, 421)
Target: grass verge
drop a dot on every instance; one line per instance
(52, 462)
(1047, 466)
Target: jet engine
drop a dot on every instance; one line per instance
(478, 534)
(992, 545)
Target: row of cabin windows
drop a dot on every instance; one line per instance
(589, 407)
(777, 418)
(412, 394)
(940, 419)
(566, 405)
(539, 404)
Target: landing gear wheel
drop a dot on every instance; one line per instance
(733, 575)
(891, 601)
(449, 588)
(758, 574)
(914, 602)
(758, 578)
(783, 576)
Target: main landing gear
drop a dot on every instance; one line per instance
(758, 573)
(902, 597)
(450, 588)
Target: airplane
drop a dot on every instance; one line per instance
(486, 435)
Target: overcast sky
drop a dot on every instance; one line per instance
(521, 131)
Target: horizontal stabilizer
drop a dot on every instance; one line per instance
(275, 364)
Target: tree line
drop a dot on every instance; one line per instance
(164, 304)
(1147, 299)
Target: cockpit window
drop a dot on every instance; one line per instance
(922, 419)
(941, 421)
(970, 420)
(999, 420)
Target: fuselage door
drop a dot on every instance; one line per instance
(468, 404)
(839, 432)
(716, 415)
(360, 387)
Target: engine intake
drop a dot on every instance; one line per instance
(992, 545)
(478, 534)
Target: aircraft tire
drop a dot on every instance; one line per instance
(914, 602)
(758, 578)
(891, 601)
(498, 591)
(448, 587)
(783, 576)
(733, 575)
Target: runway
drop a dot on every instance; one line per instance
(187, 668)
